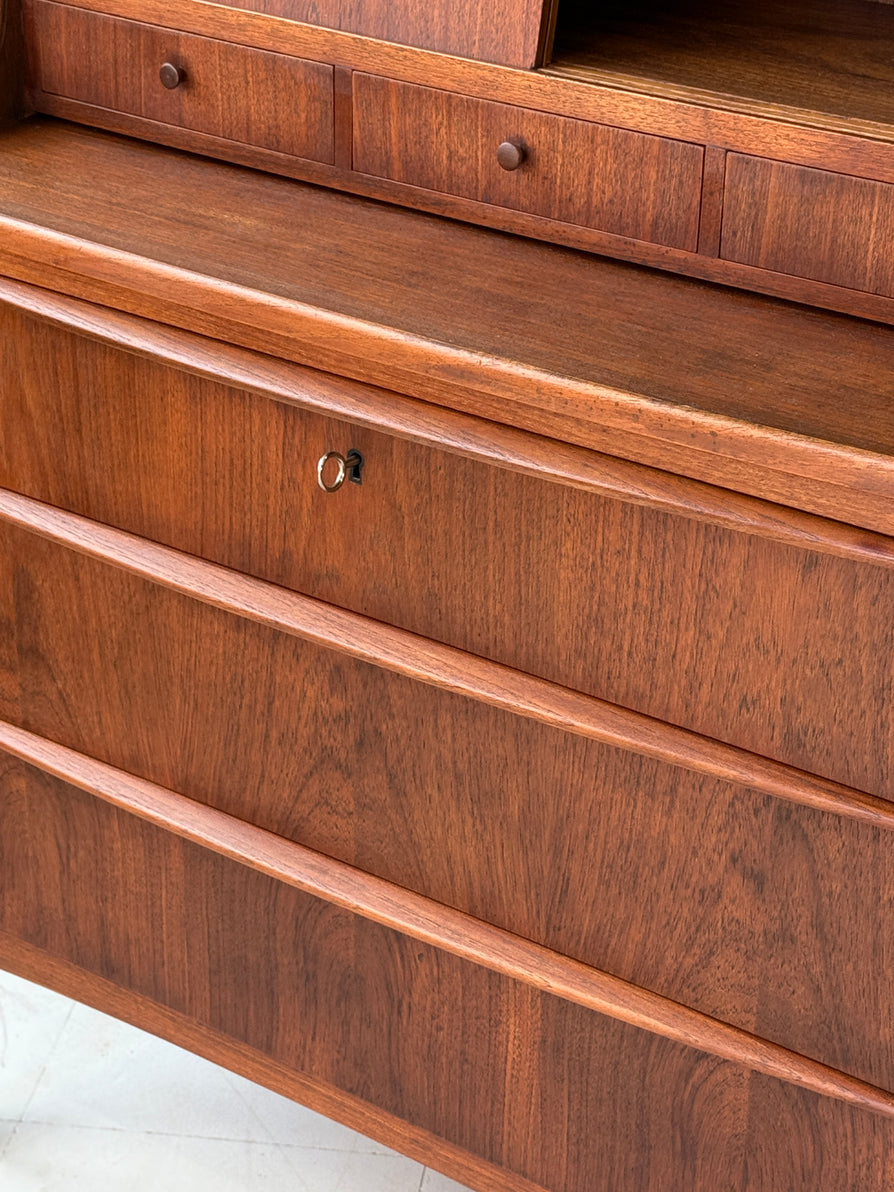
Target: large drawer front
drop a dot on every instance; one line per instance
(550, 1092)
(766, 914)
(778, 649)
(630, 184)
(116, 64)
(809, 223)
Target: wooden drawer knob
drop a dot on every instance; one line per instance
(511, 154)
(171, 76)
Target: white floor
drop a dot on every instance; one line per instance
(89, 1104)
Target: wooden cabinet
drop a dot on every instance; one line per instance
(552, 835)
(634, 584)
(443, 675)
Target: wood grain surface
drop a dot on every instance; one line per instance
(810, 222)
(557, 836)
(711, 206)
(291, 109)
(34, 964)
(12, 63)
(434, 664)
(311, 987)
(645, 188)
(429, 922)
(785, 650)
(632, 366)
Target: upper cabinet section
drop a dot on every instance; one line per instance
(509, 32)
(746, 142)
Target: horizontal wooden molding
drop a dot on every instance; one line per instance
(332, 340)
(438, 665)
(432, 923)
(457, 433)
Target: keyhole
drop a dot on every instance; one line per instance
(354, 463)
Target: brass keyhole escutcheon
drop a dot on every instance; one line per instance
(333, 469)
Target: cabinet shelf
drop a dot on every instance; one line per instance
(834, 58)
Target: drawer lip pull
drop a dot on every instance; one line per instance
(438, 665)
(433, 923)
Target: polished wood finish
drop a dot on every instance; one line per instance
(419, 422)
(849, 146)
(811, 223)
(577, 85)
(34, 964)
(711, 205)
(314, 994)
(68, 45)
(512, 33)
(726, 387)
(549, 763)
(240, 489)
(436, 665)
(421, 919)
(12, 63)
(645, 188)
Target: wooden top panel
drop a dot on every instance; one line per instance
(592, 339)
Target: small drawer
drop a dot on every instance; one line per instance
(626, 183)
(270, 101)
(809, 223)
(715, 626)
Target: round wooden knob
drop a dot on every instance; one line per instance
(511, 154)
(171, 76)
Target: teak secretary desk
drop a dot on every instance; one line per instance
(447, 567)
